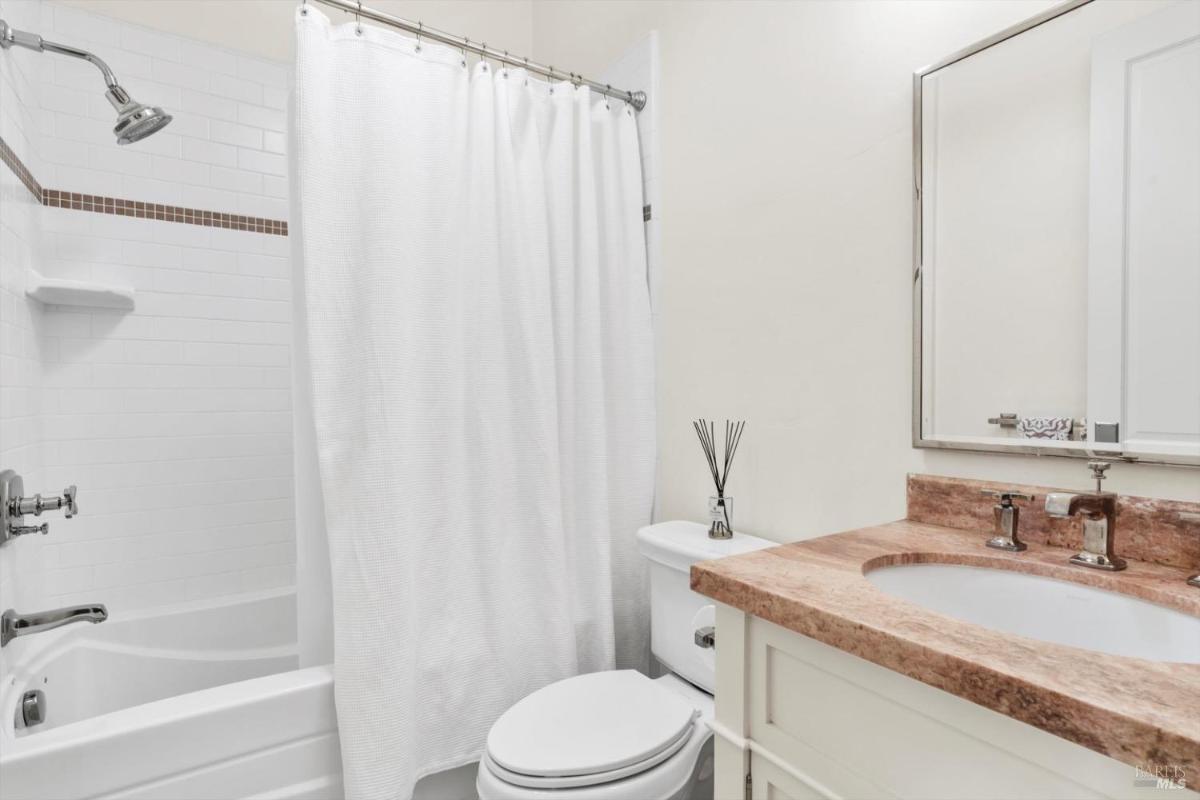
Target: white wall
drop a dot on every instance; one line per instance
(785, 132)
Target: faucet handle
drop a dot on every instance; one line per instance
(1006, 496)
(1098, 469)
(70, 507)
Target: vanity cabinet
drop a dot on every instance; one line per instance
(806, 720)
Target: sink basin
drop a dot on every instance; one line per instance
(1047, 609)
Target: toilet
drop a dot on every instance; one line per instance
(620, 735)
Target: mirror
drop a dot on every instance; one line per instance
(1057, 237)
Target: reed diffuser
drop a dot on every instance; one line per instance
(720, 505)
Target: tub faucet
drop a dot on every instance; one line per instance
(13, 624)
(1099, 512)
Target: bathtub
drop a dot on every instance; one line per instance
(203, 702)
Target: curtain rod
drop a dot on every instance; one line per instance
(635, 99)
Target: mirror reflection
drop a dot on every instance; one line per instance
(1059, 237)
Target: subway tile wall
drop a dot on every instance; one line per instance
(20, 362)
(174, 419)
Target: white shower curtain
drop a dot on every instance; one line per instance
(478, 326)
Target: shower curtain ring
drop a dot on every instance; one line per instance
(504, 69)
(483, 56)
(466, 42)
(358, 20)
(607, 96)
(304, 8)
(420, 25)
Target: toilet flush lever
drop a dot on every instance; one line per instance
(706, 637)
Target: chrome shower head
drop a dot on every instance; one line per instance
(134, 120)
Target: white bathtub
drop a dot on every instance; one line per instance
(203, 703)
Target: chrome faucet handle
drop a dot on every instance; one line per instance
(1007, 519)
(14, 506)
(37, 504)
(1098, 469)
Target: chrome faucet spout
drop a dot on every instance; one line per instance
(1099, 512)
(14, 625)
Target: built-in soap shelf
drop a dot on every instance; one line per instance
(63, 292)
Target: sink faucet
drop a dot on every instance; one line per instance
(1006, 518)
(1099, 512)
(13, 624)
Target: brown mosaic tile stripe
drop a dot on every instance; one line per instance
(57, 198)
(135, 208)
(19, 169)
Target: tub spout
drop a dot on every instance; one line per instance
(13, 624)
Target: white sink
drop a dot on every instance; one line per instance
(1047, 609)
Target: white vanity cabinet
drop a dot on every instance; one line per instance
(805, 720)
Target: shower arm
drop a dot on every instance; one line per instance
(9, 36)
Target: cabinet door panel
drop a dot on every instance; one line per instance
(862, 731)
(772, 783)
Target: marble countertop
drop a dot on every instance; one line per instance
(1139, 712)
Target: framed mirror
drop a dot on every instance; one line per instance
(1056, 280)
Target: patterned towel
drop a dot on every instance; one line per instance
(1045, 427)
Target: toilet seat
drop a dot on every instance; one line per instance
(588, 730)
(580, 781)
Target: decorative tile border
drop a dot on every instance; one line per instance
(189, 216)
(56, 198)
(19, 169)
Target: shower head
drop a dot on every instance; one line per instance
(135, 121)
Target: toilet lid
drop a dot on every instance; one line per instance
(590, 724)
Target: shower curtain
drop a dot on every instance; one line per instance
(473, 268)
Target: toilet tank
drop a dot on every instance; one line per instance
(675, 610)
